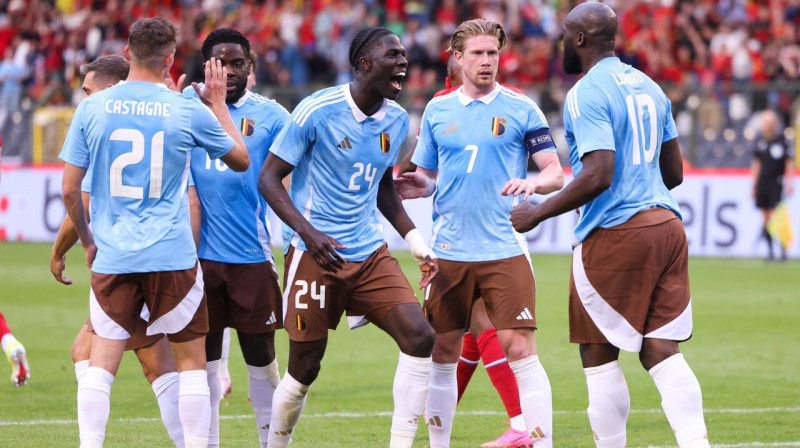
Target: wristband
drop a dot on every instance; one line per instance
(419, 250)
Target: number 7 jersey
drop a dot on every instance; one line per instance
(340, 155)
(135, 140)
(615, 107)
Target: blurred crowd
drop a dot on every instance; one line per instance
(719, 48)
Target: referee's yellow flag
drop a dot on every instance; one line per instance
(780, 225)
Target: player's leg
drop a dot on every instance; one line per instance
(80, 351)
(160, 370)
(262, 371)
(307, 322)
(467, 362)
(224, 373)
(305, 360)
(15, 353)
(383, 295)
(214, 341)
(194, 407)
(509, 292)
(609, 399)
(766, 214)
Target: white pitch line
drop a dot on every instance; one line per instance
(740, 445)
(389, 414)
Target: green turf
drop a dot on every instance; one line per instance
(744, 352)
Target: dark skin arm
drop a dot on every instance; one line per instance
(321, 247)
(671, 163)
(392, 209)
(594, 179)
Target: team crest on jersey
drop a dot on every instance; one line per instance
(301, 323)
(498, 125)
(248, 127)
(385, 144)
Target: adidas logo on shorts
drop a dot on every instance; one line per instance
(271, 319)
(525, 315)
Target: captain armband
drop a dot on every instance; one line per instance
(539, 140)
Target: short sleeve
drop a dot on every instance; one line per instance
(208, 132)
(75, 150)
(591, 121)
(191, 179)
(86, 183)
(537, 134)
(426, 153)
(403, 134)
(670, 130)
(294, 139)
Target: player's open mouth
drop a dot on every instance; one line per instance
(397, 80)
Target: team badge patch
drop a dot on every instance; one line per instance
(301, 323)
(248, 127)
(498, 125)
(385, 145)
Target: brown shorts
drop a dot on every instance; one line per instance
(631, 282)
(314, 299)
(246, 297)
(175, 300)
(507, 286)
(139, 338)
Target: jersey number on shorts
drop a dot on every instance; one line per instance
(368, 172)
(135, 156)
(642, 111)
(316, 294)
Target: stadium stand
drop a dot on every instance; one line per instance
(720, 61)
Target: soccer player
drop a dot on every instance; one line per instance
(152, 351)
(15, 353)
(241, 282)
(480, 342)
(475, 143)
(341, 143)
(136, 139)
(629, 285)
(773, 172)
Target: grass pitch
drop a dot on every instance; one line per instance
(744, 352)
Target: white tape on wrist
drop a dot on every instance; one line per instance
(419, 250)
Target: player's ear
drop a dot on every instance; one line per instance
(459, 56)
(580, 39)
(366, 63)
(127, 53)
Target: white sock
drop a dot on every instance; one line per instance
(410, 389)
(166, 387)
(440, 407)
(215, 395)
(194, 407)
(287, 405)
(94, 405)
(681, 400)
(80, 369)
(535, 399)
(263, 381)
(6, 340)
(609, 404)
(517, 423)
(224, 375)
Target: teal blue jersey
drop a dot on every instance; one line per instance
(478, 146)
(618, 108)
(234, 225)
(340, 156)
(135, 140)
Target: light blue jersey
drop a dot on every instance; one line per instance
(478, 146)
(340, 156)
(618, 108)
(234, 224)
(136, 139)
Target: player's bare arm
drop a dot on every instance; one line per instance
(594, 178)
(671, 163)
(392, 209)
(417, 184)
(321, 247)
(550, 178)
(71, 191)
(213, 95)
(66, 238)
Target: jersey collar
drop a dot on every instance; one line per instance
(242, 100)
(357, 113)
(486, 99)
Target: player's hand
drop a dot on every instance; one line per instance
(413, 185)
(57, 267)
(171, 84)
(91, 253)
(322, 249)
(215, 86)
(429, 270)
(524, 217)
(519, 186)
